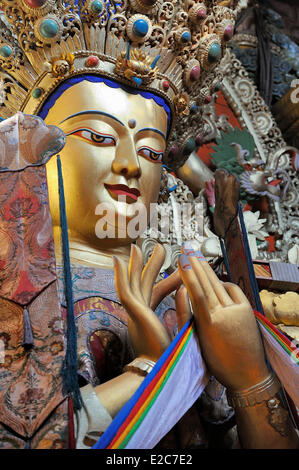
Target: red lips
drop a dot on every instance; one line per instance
(123, 190)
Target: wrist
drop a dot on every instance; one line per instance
(255, 394)
(247, 378)
(140, 366)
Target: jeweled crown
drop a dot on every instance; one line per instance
(171, 48)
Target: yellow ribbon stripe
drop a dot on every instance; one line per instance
(149, 398)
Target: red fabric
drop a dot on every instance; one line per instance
(273, 328)
(262, 205)
(271, 240)
(72, 440)
(98, 352)
(247, 207)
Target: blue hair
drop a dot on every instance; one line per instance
(98, 79)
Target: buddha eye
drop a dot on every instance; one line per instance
(150, 154)
(102, 140)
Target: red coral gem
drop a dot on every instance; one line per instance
(92, 61)
(195, 73)
(228, 33)
(165, 85)
(35, 3)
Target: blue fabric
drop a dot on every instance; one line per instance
(253, 281)
(110, 432)
(226, 262)
(98, 79)
(70, 365)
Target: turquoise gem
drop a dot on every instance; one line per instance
(186, 36)
(189, 146)
(5, 51)
(140, 28)
(97, 6)
(49, 28)
(37, 92)
(214, 52)
(137, 80)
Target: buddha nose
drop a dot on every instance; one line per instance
(126, 160)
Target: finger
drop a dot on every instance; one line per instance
(151, 271)
(164, 288)
(135, 270)
(182, 306)
(143, 319)
(123, 287)
(207, 288)
(235, 293)
(195, 291)
(217, 285)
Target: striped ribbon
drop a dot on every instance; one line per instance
(134, 412)
(284, 342)
(124, 428)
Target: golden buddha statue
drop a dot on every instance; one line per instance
(119, 125)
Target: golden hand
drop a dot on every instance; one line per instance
(134, 286)
(136, 291)
(226, 326)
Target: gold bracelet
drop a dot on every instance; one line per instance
(260, 392)
(140, 366)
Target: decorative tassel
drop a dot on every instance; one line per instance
(27, 445)
(70, 366)
(28, 340)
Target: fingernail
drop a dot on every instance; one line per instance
(196, 253)
(184, 262)
(188, 249)
(199, 256)
(188, 252)
(191, 252)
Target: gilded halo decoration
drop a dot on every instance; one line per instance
(171, 48)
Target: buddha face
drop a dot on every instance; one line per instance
(114, 147)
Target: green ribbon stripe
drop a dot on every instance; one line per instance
(139, 421)
(290, 353)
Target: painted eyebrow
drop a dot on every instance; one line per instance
(153, 130)
(94, 112)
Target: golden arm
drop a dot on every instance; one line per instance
(256, 431)
(232, 348)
